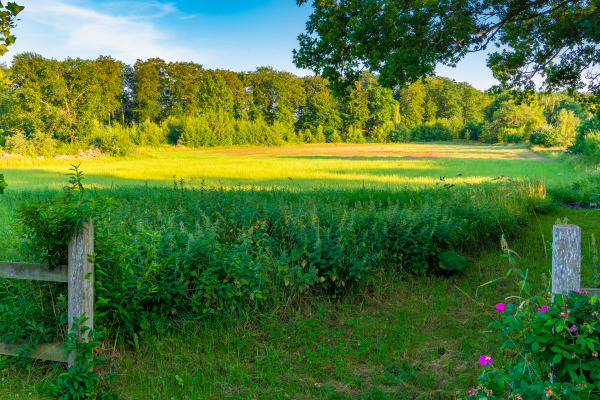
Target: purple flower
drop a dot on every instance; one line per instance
(484, 360)
(500, 307)
(573, 329)
(544, 308)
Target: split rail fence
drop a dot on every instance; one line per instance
(78, 274)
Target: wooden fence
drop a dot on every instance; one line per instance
(78, 274)
(566, 260)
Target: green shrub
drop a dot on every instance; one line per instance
(320, 136)
(18, 144)
(431, 133)
(544, 135)
(334, 137)
(400, 134)
(145, 134)
(586, 142)
(114, 141)
(471, 131)
(355, 135)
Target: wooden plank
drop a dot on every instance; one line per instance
(591, 291)
(81, 280)
(566, 258)
(44, 351)
(35, 272)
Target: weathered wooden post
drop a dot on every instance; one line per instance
(81, 280)
(566, 258)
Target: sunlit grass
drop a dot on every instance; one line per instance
(389, 167)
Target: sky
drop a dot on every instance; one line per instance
(238, 35)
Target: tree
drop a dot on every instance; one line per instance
(150, 88)
(404, 40)
(8, 16)
(321, 107)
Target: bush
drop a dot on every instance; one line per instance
(586, 141)
(334, 137)
(146, 134)
(544, 135)
(43, 144)
(320, 136)
(511, 135)
(431, 133)
(471, 131)
(400, 134)
(18, 144)
(114, 141)
(556, 350)
(355, 135)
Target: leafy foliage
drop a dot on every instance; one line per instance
(80, 382)
(8, 15)
(557, 40)
(49, 226)
(555, 350)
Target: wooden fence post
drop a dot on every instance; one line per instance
(81, 280)
(566, 258)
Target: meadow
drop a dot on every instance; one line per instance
(280, 230)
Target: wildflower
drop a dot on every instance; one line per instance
(573, 355)
(548, 392)
(544, 308)
(579, 291)
(573, 329)
(518, 397)
(595, 314)
(500, 307)
(484, 360)
(472, 392)
(594, 353)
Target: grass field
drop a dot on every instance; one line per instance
(400, 337)
(388, 167)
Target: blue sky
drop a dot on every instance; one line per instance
(236, 35)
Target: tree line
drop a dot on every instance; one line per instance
(50, 106)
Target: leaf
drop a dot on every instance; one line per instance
(557, 358)
(14, 8)
(3, 184)
(451, 261)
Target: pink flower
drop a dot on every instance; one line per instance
(484, 360)
(579, 291)
(544, 308)
(500, 307)
(472, 392)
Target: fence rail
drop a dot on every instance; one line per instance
(78, 274)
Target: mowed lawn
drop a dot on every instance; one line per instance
(385, 167)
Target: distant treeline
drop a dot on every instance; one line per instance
(50, 106)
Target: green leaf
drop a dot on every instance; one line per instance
(557, 358)
(451, 261)
(3, 184)
(535, 346)
(14, 8)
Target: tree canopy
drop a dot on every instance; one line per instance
(404, 40)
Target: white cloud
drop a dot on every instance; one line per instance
(124, 30)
